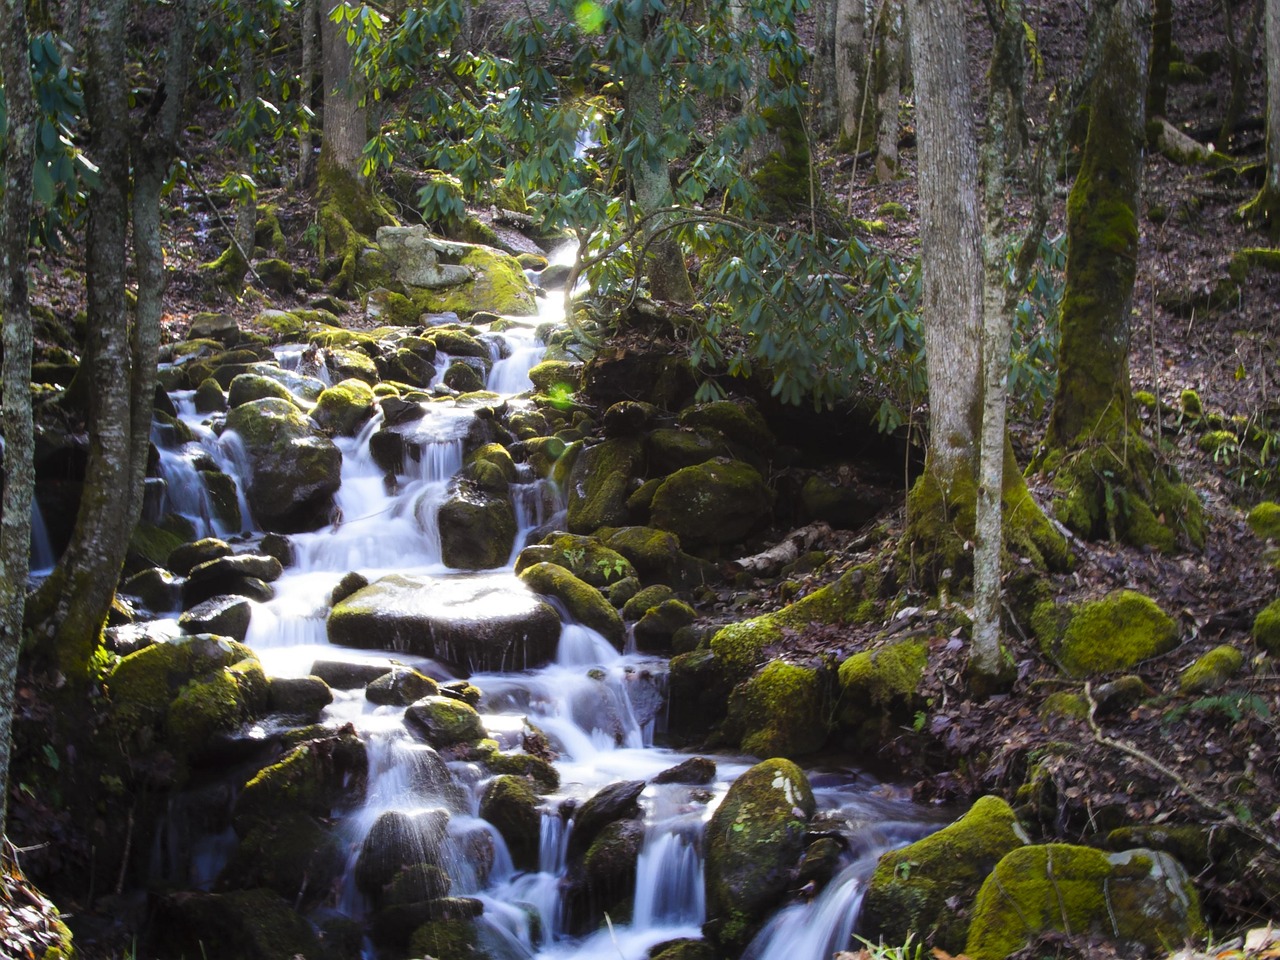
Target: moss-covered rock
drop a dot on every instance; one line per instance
(779, 712)
(448, 939)
(443, 721)
(599, 483)
(185, 558)
(291, 854)
(344, 408)
(294, 472)
(209, 397)
(1264, 520)
(226, 616)
(584, 602)
(1266, 627)
(463, 377)
(926, 888)
(497, 285)
(301, 697)
(1113, 633)
(585, 557)
(319, 777)
(187, 692)
(1141, 898)
(657, 628)
(878, 689)
(510, 804)
(253, 386)
(1211, 670)
(350, 364)
(740, 423)
(716, 502)
(604, 882)
(400, 687)
(754, 841)
(556, 377)
(477, 529)
(398, 840)
(541, 774)
(248, 924)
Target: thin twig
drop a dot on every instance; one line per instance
(1226, 814)
(194, 180)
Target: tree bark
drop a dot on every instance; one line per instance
(824, 94)
(949, 236)
(15, 387)
(71, 606)
(1161, 57)
(888, 90)
(1102, 239)
(154, 151)
(851, 57)
(310, 29)
(342, 144)
(1264, 210)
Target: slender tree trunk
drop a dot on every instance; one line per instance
(1264, 210)
(306, 93)
(15, 387)
(1239, 64)
(888, 90)
(246, 222)
(851, 58)
(71, 606)
(154, 152)
(1161, 57)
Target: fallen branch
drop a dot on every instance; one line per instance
(789, 550)
(1227, 815)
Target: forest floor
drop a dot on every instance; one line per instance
(1170, 759)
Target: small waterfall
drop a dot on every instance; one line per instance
(669, 888)
(511, 374)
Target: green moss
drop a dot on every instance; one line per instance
(1266, 628)
(893, 211)
(228, 270)
(498, 285)
(1215, 440)
(644, 600)
(1264, 520)
(584, 602)
(1191, 406)
(1139, 896)
(1252, 259)
(716, 502)
(925, 888)
(544, 777)
(447, 940)
(779, 712)
(886, 675)
(1064, 703)
(1211, 670)
(549, 375)
(1099, 636)
(510, 804)
(599, 483)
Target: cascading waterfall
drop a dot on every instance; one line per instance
(597, 709)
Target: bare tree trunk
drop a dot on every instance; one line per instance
(665, 268)
(1264, 210)
(246, 224)
(851, 58)
(823, 95)
(888, 90)
(15, 398)
(71, 606)
(949, 232)
(1161, 57)
(1239, 64)
(154, 152)
(345, 135)
(310, 31)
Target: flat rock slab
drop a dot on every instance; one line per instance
(473, 624)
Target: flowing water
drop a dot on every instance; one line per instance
(600, 709)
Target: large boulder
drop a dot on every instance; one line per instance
(600, 480)
(344, 408)
(294, 471)
(497, 284)
(754, 842)
(398, 840)
(585, 557)
(779, 712)
(1141, 899)
(477, 528)
(443, 721)
(248, 387)
(716, 502)
(926, 887)
(878, 689)
(471, 623)
(317, 778)
(291, 854)
(510, 804)
(414, 258)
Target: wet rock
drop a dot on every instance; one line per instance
(349, 584)
(477, 529)
(214, 326)
(251, 386)
(618, 801)
(302, 697)
(510, 804)
(755, 841)
(245, 576)
(655, 629)
(344, 364)
(470, 623)
(605, 880)
(291, 854)
(227, 616)
(584, 603)
(401, 687)
(187, 557)
(317, 777)
(344, 408)
(298, 384)
(463, 377)
(585, 557)
(294, 471)
(343, 675)
(696, 771)
(398, 840)
(599, 483)
(443, 721)
(780, 711)
(158, 590)
(396, 410)
(209, 397)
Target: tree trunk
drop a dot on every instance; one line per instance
(1161, 57)
(15, 387)
(1239, 64)
(310, 28)
(824, 94)
(888, 90)
(1264, 210)
(246, 221)
(71, 607)
(851, 59)
(345, 134)
(154, 153)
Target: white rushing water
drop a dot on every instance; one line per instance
(598, 709)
